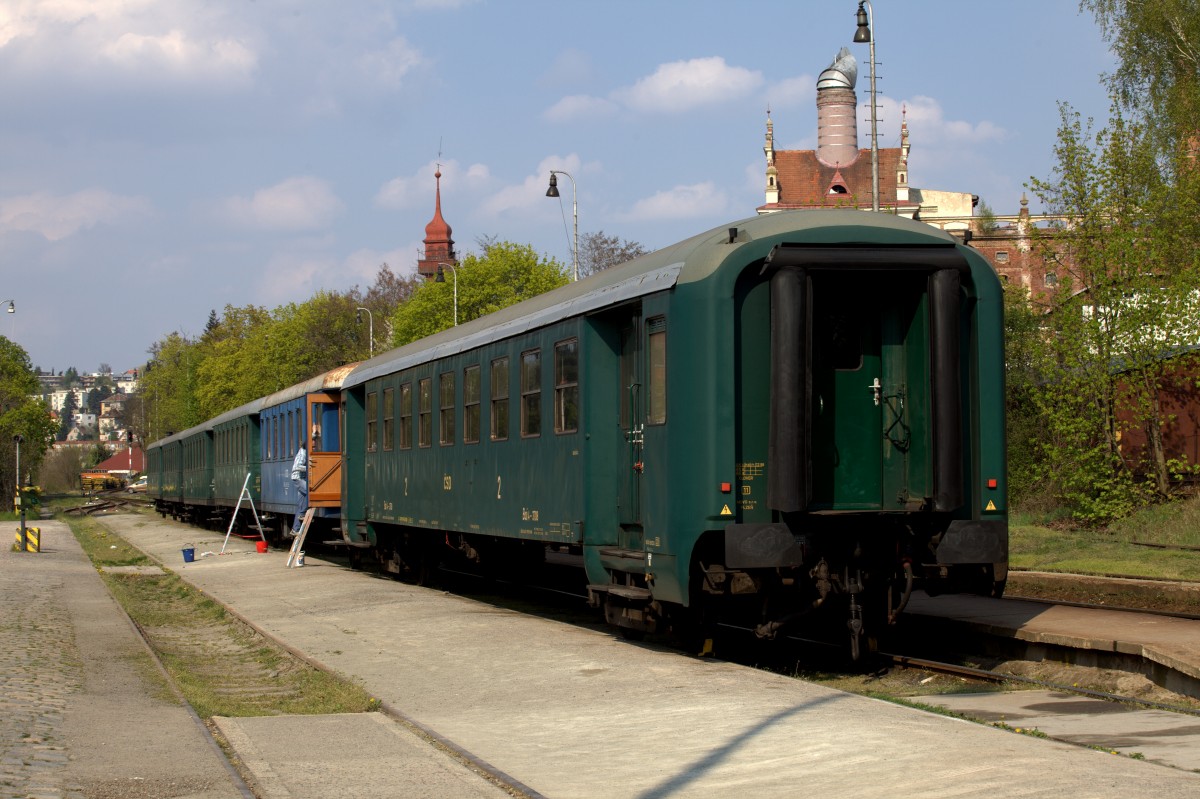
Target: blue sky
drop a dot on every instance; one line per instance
(167, 158)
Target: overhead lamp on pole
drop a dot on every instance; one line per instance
(370, 326)
(553, 192)
(441, 278)
(866, 34)
(12, 308)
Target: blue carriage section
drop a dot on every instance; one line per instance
(285, 420)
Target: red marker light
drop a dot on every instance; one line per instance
(726, 488)
(993, 482)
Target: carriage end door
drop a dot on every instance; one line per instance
(325, 450)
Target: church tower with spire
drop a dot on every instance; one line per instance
(439, 246)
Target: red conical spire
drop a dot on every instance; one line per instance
(439, 246)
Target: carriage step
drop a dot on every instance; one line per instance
(629, 593)
(629, 554)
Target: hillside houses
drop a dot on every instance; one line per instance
(98, 402)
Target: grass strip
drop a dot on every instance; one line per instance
(223, 666)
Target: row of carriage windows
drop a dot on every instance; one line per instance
(232, 445)
(409, 400)
(282, 434)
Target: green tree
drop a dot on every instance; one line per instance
(985, 220)
(1157, 45)
(168, 385)
(386, 294)
(66, 416)
(94, 397)
(1022, 340)
(60, 469)
(598, 252)
(503, 275)
(20, 415)
(97, 454)
(1125, 304)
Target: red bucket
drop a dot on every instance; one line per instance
(262, 545)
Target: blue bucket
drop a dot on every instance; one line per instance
(189, 555)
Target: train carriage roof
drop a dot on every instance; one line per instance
(691, 260)
(326, 381)
(251, 408)
(203, 427)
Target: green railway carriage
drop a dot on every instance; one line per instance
(183, 465)
(197, 456)
(798, 412)
(237, 460)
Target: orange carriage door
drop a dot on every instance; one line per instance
(325, 451)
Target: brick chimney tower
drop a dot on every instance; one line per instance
(837, 112)
(439, 246)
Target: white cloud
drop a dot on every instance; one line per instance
(153, 41)
(684, 85)
(389, 66)
(928, 125)
(57, 217)
(178, 52)
(681, 202)
(579, 106)
(531, 192)
(301, 203)
(416, 191)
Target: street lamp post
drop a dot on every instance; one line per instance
(370, 327)
(441, 278)
(553, 192)
(12, 309)
(866, 33)
(17, 439)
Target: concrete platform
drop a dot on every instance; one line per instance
(1159, 736)
(1166, 649)
(571, 712)
(368, 754)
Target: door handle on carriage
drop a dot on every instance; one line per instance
(877, 387)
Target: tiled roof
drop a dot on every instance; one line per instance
(804, 181)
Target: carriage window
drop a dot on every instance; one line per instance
(389, 413)
(372, 420)
(425, 412)
(406, 410)
(499, 415)
(566, 386)
(531, 393)
(471, 405)
(656, 377)
(626, 383)
(446, 417)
